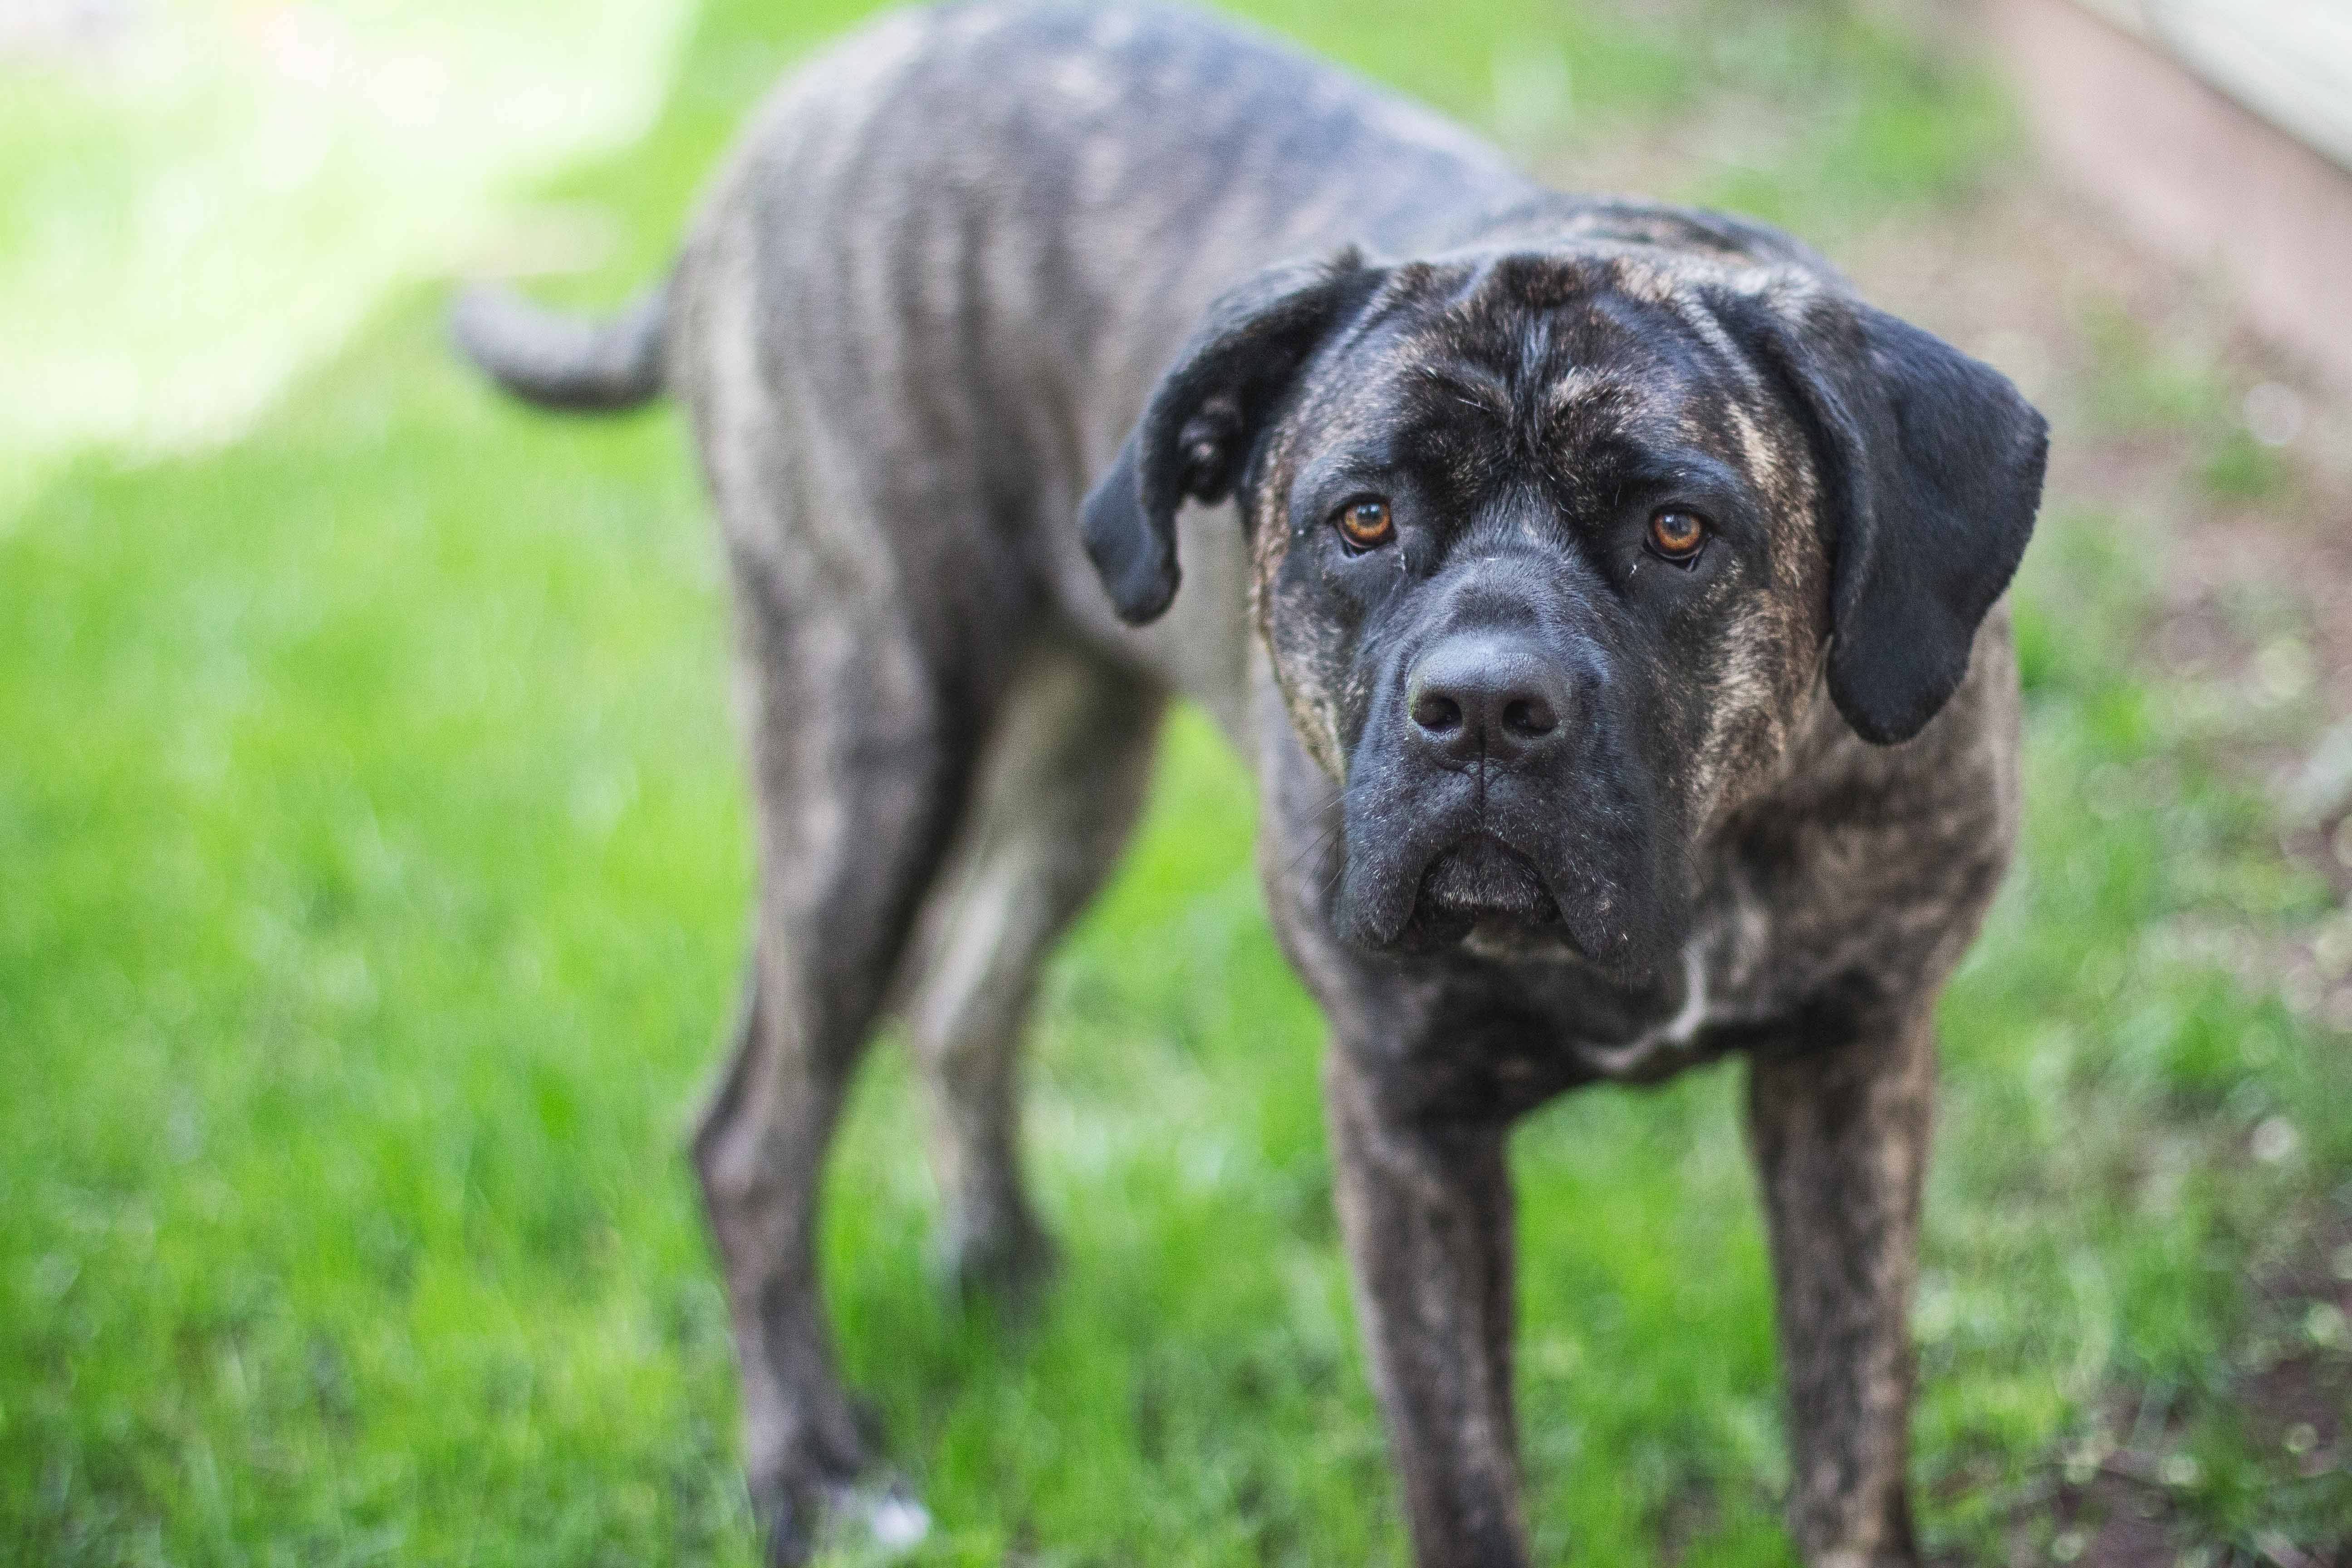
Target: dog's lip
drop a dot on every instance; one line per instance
(1481, 878)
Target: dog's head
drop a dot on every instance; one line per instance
(1551, 547)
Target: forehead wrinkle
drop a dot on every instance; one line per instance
(1579, 384)
(1468, 383)
(1447, 285)
(1684, 381)
(1637, 276)
(1521, 284)
(1609, 411)
(1401, 288)
(1697, 316)
(1754, 450)
(1557, 355)
(1535, 350)
(1567, 355)
(1686, 290)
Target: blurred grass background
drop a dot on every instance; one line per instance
(373, 881)
(199, 198)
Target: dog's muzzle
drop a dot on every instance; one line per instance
(1490, 706)
(1492, 787)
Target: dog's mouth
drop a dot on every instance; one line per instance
(1481, 881)
(1430, 870)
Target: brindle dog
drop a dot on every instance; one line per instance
(1610, 602)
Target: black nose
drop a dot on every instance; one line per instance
(1480, 695)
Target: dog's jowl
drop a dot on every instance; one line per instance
(1609, 601)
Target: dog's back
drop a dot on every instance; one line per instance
(967, 240)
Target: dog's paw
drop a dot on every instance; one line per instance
(874, 1520)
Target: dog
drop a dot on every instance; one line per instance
(1611, 603)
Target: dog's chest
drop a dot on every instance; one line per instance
(1643, 1035)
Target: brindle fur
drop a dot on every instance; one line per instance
(975, 261)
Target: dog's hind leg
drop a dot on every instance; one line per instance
(1055, 793)
(860, 759)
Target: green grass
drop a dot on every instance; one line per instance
(198, 200)
(373, 880)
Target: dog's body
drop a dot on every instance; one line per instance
(1545, 801)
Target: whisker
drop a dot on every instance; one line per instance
(1315, 847)
(1333, 881)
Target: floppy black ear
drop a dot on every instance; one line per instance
(1201, 426)
(1931, 469)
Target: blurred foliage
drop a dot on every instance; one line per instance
(199, 199)
(372, 878)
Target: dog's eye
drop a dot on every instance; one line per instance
(1677, 536)
(1366, 524)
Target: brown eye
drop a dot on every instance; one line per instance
(1366, 524)
(1677, 536)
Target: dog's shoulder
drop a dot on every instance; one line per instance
(1859, 878)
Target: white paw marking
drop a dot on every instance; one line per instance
(898, 1523)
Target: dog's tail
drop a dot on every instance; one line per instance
(562, 362)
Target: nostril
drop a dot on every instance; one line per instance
(1530, 716)
(1437, 713)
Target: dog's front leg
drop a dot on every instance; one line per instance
(1427, 1213)
(1840, 1135)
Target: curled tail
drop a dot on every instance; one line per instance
(561, 361)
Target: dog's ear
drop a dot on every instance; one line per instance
(1930, 468)
(1200, 428)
